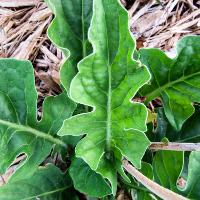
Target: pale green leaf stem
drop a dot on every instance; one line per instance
(35, 132)
(156, 93)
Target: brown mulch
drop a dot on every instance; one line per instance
(162, 24)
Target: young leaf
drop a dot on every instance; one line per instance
(47, 183)
(107, 80)
(69, 32)
(175, 81)
(20, 132)
(88, 181)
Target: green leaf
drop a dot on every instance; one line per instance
(20, 132)
(106, 81)
(192, 189)
(47, 183)
(190, 131)
(147, 170)
(69, 33)
(175, 81)
(167, 166)
(88, 181)
(162, 126)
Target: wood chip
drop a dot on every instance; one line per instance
(18, 3)
(50, 55)
(4, 11)
(40, 15)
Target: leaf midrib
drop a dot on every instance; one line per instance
(47, 193)
(33, 131)
(109, 108)
(82, 40)
(150, 96)
(83, 31)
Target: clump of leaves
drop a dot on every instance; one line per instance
(115, 126)
(94, 147)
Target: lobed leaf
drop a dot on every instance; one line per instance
(175, 81)
(107, 80)
(47, 183)
(69, 32)
(20, 132)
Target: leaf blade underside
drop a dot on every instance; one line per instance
(115, 128)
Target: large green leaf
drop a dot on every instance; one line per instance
(47, 183)
(20, 132)
(88, 181)
(69, 31)
(106, 81)
(175, 81)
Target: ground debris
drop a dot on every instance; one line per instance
(161, 24)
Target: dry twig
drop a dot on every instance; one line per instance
(18, 3)
(160, 191)
(174, 146)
